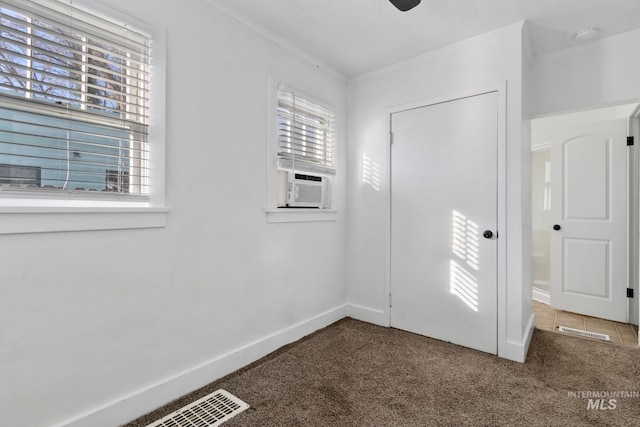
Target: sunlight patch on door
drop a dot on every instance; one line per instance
(465, 247)
(464, 286)
(466, 241)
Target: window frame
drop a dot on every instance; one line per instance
(90, 83)
(275, 214)
(42, 211)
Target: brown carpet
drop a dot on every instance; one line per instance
(356, 374)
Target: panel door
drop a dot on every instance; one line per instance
(443, 198)
(589, 215)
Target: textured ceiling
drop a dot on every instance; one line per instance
(356, 36)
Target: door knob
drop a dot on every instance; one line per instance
(557, 227)
(487, 234)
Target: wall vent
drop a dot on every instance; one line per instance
(211, 410)
(582, 333)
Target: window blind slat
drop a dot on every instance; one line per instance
(32, 35)
(41, 125)
(135, 101)
(311, 151)
(287, 141)
(316, 128)
(78, 166)
(19, 50)
(40, 109)
(80, 147)
(65, 15)
(86, 177)
(305, 138)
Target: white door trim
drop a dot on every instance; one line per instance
(634, 218)
(501, 90)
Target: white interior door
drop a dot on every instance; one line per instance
(443, 197)
(589, 216)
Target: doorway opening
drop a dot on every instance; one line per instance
(556, 163)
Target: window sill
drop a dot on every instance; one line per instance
(23, 220)
(300, 215)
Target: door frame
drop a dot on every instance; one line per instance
(633, 200)
(501, 209)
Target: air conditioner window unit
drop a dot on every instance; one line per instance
(305, 191)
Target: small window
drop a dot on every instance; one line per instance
(74, 100)
(117, 181)
(20, 176)
(306, 151)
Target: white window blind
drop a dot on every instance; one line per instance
(74, 100)
(306, 134)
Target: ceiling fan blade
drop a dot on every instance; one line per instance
(405, 5)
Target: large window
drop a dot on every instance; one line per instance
(74, 101)
(306, 151)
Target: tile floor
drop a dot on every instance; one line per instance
(549, 319)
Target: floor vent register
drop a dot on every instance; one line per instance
(582, 333)
(212, 410)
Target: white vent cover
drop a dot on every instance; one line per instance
(211, 410)
(582, 333)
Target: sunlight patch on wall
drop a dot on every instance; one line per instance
(370, 172)
(547, 186)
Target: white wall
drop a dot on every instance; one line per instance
(526, 220)
(88, 319)
(485, 60)
(588, 75)
(541, 215)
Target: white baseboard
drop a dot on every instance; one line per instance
(527, 340)
(146, 400)
(517, 351)
(541, 296)
(369, 315)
